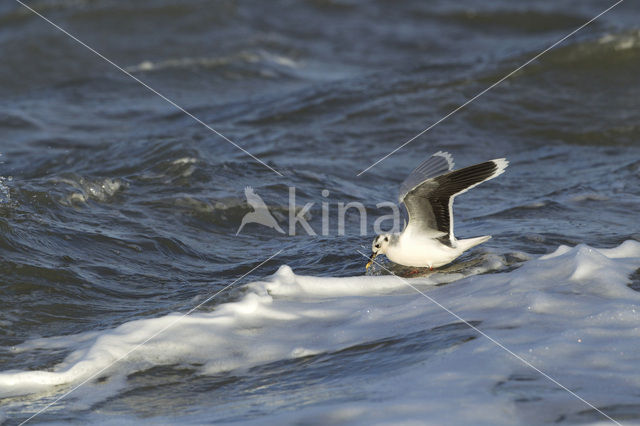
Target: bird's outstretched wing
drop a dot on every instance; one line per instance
(439, 163)
(430, 203)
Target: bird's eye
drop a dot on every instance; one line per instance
(386, 238)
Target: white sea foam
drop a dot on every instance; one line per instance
(208, 62)
(624, 41)
(5, 194)
(570, 313)
(99, 190)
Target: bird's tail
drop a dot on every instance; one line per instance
(467, 243)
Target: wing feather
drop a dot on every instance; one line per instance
(430, 203)
(439, 163)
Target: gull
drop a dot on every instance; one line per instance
(427, 193)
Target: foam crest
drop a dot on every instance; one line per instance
(102, 190)
(553, 310)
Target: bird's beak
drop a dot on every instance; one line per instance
(370, 262)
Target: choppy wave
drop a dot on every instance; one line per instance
(528, 21)
(5, 195)
(204, 62)
(570, 313)
(623, 41)
(90, 189)
(122, 209)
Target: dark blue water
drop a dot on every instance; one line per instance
(115, 206)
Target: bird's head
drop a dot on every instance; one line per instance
(379, 246)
